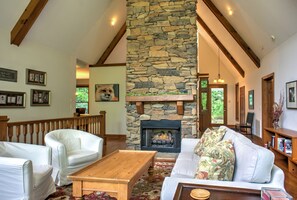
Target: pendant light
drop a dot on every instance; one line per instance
(219, 80)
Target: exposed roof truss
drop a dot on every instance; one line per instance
(26, 21)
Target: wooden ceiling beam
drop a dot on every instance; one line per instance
(25, 22)
(111, 46)
(221, 46)
(251, 54)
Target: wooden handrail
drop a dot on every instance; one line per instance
(33, 132)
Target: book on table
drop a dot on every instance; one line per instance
(274, 193)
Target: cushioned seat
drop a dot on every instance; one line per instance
(72, 150)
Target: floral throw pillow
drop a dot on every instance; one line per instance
(208, 139)
(217, 162)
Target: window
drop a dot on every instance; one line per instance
(82, 98)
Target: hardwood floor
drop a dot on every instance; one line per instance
(115, 143)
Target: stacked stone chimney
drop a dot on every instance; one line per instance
(161, 60)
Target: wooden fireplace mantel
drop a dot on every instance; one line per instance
(162, 98)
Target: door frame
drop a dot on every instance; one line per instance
(267, 100)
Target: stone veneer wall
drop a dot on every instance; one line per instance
(161, 59)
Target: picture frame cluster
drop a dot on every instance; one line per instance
(15, 99)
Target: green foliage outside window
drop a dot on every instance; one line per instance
(82, 98)
(217, 106)
(203, 83)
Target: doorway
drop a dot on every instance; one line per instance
(218, 104)
(242, 104)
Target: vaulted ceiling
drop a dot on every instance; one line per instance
(82, 28)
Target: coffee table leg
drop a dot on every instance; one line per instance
(123, 192)
(151, 172)
(77, 188)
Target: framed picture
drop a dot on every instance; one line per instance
(106, 92)
(10, 99)
(35, 77)
(251, 99)
(40, 97)
(8, 75)
(291, 94)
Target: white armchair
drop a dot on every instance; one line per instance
(71, 151)
(25, 171)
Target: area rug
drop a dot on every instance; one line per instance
(144, 189)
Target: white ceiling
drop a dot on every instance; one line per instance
(82, 27)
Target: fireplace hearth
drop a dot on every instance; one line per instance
(161, 135)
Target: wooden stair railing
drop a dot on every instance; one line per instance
(33, 132)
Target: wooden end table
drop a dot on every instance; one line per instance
(115, 173)
(217, 192)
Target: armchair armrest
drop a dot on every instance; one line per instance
(93, 143)
(58, 151)
(16, 177)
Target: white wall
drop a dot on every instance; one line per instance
(115, 111)
(282, 61)
(60, 69)
(208, 63)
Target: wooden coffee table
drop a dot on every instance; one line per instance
(217, 192)
(115, 173)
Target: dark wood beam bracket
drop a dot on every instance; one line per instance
(221, 46)
(233, 33)
(111, 46)
(26, 21)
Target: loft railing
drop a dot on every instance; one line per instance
(33, 132)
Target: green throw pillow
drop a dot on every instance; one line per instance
(209, 139)
(217, 162)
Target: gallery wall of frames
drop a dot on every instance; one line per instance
(17, 99)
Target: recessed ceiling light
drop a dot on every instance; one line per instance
(230, 11)
(113, 21)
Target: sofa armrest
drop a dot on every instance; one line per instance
(188, 144)
(16, 177)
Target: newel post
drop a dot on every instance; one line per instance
(3, 128)
(103, 126)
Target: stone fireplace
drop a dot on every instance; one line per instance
(160, 135)
(161, 61)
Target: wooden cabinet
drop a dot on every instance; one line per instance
(287, 161)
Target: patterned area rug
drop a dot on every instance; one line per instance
(144, 189)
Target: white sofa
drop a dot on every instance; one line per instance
(25, 171)
(72, 150)
(254, 167)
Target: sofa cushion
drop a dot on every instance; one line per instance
(233, 135)
(71, 144)
(217, 162)
(253, 163)
(208, 139)
(81, 156)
